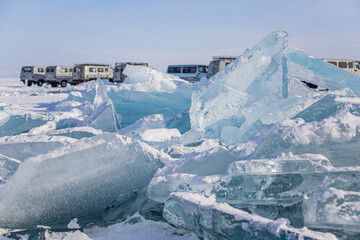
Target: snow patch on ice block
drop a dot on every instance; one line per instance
(212, 220)
(150, 122)
(76, 181)
(335, 137)
(160, 137)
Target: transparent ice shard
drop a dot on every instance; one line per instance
(76, 181)
(212, 220)
(104, 116)
(319, 72)
(332, 209)
(17, 124)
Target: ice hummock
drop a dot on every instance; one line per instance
(255, 88)
(212, 220)
(147, 91)
(78, 180)
(263, 85)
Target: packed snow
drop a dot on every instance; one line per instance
(251, 153)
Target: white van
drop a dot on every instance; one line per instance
(91, 71)
(32, 75)
(58, 75)
(119, 68)
(349, 65)
(192, 73)
(218, 63)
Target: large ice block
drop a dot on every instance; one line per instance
(333, 209)
(76, 181)
(212, 220)
(274, 184)
(255, 88)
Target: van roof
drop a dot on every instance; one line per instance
(140, 63)
(33, 66)
(59, 66)
(339, 59)
(224, 57)
(92, 64)
(188, 65)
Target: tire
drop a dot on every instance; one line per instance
(29, 83)
(40, 83)
(63, 83)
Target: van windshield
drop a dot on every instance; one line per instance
(203, 69)
(27, 69)
(357, 65)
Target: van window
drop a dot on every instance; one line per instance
(48, 70)
(350, 65)
(92, 69)
(342, 64)
(189, 69)
(357, 65)
(27, 70)
(174, 70)
(63, 70)
(52, 69)
(335, 63)
(70, 69)
(100, 70)
(203, 69)
(117, 69)
(40, 70)
(106, 69)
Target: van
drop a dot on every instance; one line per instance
(58, 75)
(119, 68)
(91, 71)
(32, 75)
(218, 63)
(191, 73)
(349, 65)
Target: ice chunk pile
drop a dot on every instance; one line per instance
(146, 92)
(251, 153)
(262, 86)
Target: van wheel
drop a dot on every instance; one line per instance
(63, 83)
(40, 83)
(29, 83)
